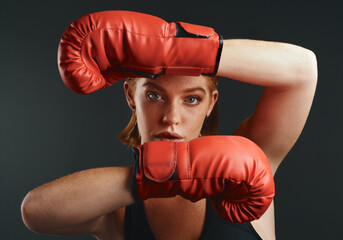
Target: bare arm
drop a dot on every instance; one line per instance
(77, 203)
(289, 75)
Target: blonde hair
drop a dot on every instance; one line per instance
(130, 134)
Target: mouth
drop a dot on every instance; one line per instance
(168, 136)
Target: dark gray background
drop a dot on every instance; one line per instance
(47, 131)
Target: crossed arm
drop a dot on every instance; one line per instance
(82, 202)
(289, 75)
(78, 203)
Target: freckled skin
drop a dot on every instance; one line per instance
(174, 104)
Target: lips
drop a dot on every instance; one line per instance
(168, 136)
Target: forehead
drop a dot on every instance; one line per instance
(172, 82)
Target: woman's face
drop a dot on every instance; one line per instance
(171, 108)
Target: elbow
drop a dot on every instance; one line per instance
(306, 70)
(312, 69)
(300, 67)
(30, 213)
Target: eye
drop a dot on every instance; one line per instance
(193, 100)
(152, 96)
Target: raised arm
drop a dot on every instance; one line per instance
(78, 203)
(289, 75)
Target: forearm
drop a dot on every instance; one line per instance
(77, 198)
(269, 64)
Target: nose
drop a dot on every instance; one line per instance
(172, 114)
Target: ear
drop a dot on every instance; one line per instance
(129, 95)
(213, 100)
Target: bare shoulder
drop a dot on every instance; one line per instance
(265, 226)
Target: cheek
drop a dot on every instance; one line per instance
(193, 120)
(147, 116)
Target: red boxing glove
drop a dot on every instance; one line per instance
(231, 170)
(102, 48)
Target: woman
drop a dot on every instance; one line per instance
(180, 108)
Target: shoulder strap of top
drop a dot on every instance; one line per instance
(216, 227)
(136, 224)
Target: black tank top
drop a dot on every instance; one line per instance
(137, 226)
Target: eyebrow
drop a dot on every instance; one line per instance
(154, 86)
(162, 89)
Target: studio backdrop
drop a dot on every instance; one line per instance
(48, 131)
